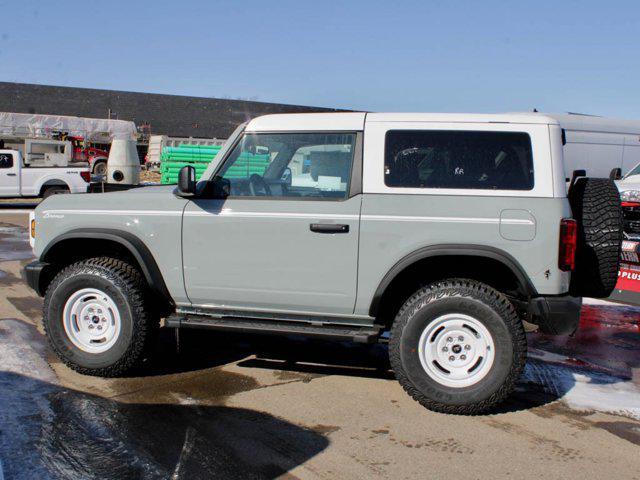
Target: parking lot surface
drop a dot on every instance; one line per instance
(216, 405)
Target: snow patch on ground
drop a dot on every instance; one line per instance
(581, 388)
(599, 302)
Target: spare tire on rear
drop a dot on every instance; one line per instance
(595, 203)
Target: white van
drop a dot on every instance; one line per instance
(598, 144)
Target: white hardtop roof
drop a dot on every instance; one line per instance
(340, 121)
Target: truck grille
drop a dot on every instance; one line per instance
(631, 220)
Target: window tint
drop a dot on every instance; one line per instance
(6, 160)
(458, 159)
(316, 165)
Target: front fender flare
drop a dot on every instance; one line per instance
(132, 243)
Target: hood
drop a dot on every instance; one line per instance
(629, 183)
(136, 199)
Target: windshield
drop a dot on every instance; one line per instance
(634, 171)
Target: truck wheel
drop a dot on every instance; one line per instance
(100, 168)
(595, 203)
(457, 346)
(54, 191)
(96, 318)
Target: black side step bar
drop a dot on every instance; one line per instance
(233, 324)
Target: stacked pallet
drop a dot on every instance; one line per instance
(200, 156)
(173, 159)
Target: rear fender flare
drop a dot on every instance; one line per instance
(452, 250)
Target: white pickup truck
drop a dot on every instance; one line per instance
(18, 180)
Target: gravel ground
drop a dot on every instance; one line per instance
(230, 406)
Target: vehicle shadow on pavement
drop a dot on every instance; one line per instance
(12, 205)
(54, 432)
(202, 350)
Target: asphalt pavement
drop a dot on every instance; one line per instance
(240, 406)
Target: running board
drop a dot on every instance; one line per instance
(234, 324)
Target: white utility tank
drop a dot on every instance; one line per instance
(123, 165)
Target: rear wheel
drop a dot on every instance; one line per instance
(100, 168)
(58, 190)
(458, 346)
(96, 317)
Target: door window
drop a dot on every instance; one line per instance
(299, 165)
(6, 160)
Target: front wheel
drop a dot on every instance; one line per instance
(96, 317)
(458, 346)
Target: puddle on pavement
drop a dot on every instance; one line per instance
(207, 387)
(7, 279)
(608, 339)
(626, 430)
(56, 432)
(30, 307)
(164, 430)
(14, 243)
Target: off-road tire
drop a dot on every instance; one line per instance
(595, 203)
(126, 286)
(58, 190)
(483, 303)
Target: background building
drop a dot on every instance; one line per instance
(153, 114)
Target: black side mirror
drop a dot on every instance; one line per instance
(187, 181)
(616, 174)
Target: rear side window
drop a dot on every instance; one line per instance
(458, 159)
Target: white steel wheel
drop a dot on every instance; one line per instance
(456, 350)
(91, 320)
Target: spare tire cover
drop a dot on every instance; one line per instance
(595, 203)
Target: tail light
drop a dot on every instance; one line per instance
(86, 176)
(568, 244)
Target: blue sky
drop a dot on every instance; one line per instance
(466, 56)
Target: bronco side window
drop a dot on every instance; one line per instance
(306, 165)
(458, 159)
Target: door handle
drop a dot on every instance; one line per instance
(329, 228)
(11, 174)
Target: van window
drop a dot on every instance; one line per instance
(458, 159)
(6, 160)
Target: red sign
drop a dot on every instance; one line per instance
(629, 278)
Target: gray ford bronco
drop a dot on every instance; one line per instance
(441, 234)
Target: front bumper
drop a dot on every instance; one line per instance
(555, 315)
(32, 273)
